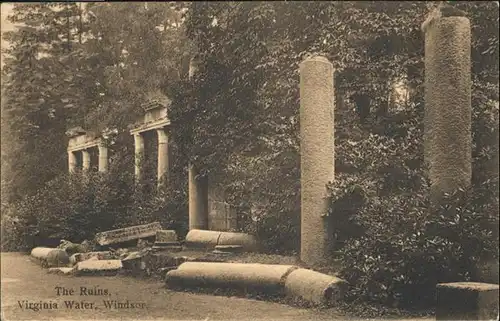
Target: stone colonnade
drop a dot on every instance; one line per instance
(156, 120)
(81, 142)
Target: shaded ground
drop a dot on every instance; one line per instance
(24, 280)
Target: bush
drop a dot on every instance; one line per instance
(406, 247)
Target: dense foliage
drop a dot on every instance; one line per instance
(237, 120)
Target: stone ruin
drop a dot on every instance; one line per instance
(447, 144)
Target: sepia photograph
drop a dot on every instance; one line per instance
(250, 160)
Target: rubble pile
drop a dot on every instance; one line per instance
(111, 252)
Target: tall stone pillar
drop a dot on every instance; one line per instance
(85, 160)
(447, 135)
(71, 161)
(163, 156)
(139, 155)
(317, 156)
(103, 158)
(198, 200)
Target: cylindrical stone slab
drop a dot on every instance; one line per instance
(447, 135)
(71, 161)
(230, 275)
(247, 241)
(317, 156)
(314, 287)
(85, 160)
(51, 256)
(198, 200)
(202, 238)
(139, 155)
(103, 159)
(163, 159)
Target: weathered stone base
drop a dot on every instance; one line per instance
(314, 287)
(127, 234)
(467, 301)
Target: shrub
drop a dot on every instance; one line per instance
(407, 247)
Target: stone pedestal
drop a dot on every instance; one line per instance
(103, 158)
(447, 136)
(139, 155)
(198, 200)
(466, 301)
(71, 161)
(163, 159)
(85, 160)
(317, 155)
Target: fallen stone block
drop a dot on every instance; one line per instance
(211, 239)
(166, 236)
(314, 287)
(263, 277)
(127, 234)
(202, 239)
(98, 267)
(50, 257)
(467, 301)
(62, 270)
(79, 257)
(246, 241)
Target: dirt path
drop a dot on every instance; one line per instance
(24, 282)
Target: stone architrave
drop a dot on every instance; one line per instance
(139, 155)
(198, 200)
(317, 155)
(127, 234)
(71, 161)
(163, 156)
(447, 135)
(103, 158)
(85, 160)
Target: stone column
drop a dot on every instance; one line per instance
(447, 123)
(85, 160)
(71, 161)
(103, 159)
(317, 156)
(139, 155)
(163, 159)
(198, 200)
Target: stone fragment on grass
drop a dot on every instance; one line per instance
(98, 267)
(79, 257)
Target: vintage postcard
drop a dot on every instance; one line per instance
(250, 160)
